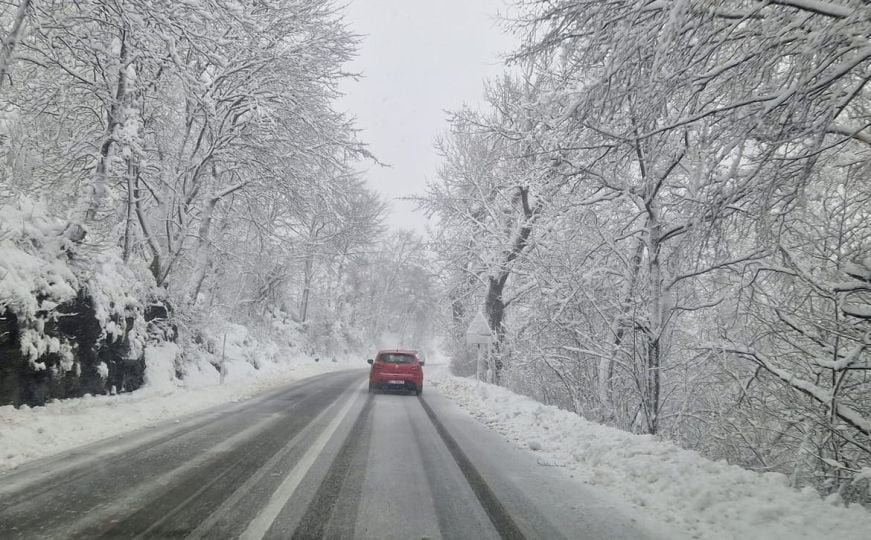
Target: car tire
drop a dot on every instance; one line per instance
(419, 390)
(371, 388)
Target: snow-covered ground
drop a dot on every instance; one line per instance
(31, 433)
(706, 499)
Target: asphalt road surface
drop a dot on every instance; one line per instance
(321, 458)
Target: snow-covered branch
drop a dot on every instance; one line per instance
(821, 395)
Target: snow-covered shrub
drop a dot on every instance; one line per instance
(35, 271)
(72, 322)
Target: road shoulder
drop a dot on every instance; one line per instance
(541, 498)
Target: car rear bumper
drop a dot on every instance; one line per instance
(396, 381)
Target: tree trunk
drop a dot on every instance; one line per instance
(155, 266)
(494, 307)
(131, 204)
(306, 287)
(94, 191)
(494, 303)
(12, 39)
(619, 327)
(201, 257)
(655, 330)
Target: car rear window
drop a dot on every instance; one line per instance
(396, 358)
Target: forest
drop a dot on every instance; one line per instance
(169, 167)
(664, 213)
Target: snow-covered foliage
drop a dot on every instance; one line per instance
(119, 295)
(35, 275)
(191, 168)
(64, 308)
(704, 498)
(664, 214)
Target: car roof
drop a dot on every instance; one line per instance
(398, 351)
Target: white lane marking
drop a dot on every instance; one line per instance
(143, 492)
(202, 529)
(260, 524)
(91, 455)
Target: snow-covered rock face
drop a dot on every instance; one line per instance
(70, 324)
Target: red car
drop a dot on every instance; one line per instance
(397, 369)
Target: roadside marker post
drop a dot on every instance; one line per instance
(479, 334)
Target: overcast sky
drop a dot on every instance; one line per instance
(418, 58)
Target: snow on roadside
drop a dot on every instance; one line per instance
(705, 498)
(27, 434)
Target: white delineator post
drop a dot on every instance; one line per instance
(479, 334)
(224, 359)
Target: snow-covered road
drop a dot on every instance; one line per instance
(318, 458)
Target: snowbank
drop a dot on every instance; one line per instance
(705, 498)
(31, 433)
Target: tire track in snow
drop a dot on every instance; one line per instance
(501, 518)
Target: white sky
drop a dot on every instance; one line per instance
(418, 58)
